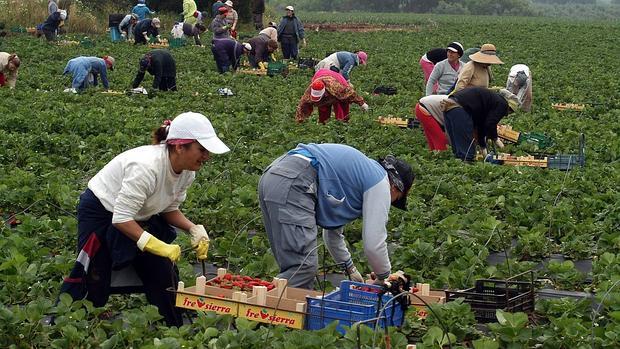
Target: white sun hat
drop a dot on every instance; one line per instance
(196, 126)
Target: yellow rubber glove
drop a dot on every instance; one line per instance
(200, 240)
(149, 243)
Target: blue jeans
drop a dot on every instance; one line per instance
(460, 129)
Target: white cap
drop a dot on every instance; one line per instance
(247, 46)
(196, 126)
(63, 14)
(229, 3)
(290, 8)
(156, 22)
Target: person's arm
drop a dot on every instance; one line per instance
(300, 29)
(432, 79)
(139, 77)
(337, 247)
(235, 20)
(346, 69)
(104, 76)
(375, 212)
(304, 108)
(177, 218)
(12, 79)
(464, 77)
(493, 118)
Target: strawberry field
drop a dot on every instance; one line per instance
(465, 222)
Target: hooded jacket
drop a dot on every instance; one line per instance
(189, 7)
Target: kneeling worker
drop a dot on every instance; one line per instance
(86, 70)
(162, 66)
(330, 185)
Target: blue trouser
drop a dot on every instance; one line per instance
(102, 247)
(289, 49)
(460, 129)
(287, 198)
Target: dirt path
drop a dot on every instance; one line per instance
(359, 27)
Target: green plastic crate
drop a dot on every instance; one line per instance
(275, 68)
(540, 140)
(175, 43)
(87, 43)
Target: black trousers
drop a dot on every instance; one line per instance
(168, 83)
(157, 274)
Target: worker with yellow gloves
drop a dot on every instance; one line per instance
(129, 212)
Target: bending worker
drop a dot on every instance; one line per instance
(127, 215)
(430, 113)
(144, 29)
(9, 65)
(476, 111)
(162, 66)
(330, 185)
(520, 83)
(86, 70)
(262, 47)
(227, 53)
(343, 62)
(328, 89)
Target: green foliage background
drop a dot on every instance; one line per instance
(51, 143)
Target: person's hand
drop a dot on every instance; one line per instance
(365, 107)
(200, 240)
(485, 152)
(499, 143)
(123, 36)
(149, 243)
(354, 274)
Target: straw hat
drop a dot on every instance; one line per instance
(486, 55)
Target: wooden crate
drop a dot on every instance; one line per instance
(257, 72)
(508, 159)
(162, 45)
(506, 132)
(214, 299)
(568, 106)
(394, 121)
(429, 296)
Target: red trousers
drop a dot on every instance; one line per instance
(341, 109)
(2, 80)
(435, 137)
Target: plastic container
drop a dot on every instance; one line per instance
(488, 295)
(306, 63)
(569, 161)
(275, 68)
(351, 304)
(540, 140)
(115, 34)
(87, 43)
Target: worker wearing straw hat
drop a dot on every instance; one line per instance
(477, 72)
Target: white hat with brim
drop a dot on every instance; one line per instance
(229, 3)
(196, 126)
(486, 55)
(156, 22)
(290, 8)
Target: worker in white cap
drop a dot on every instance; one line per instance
(232, 17)
(227, 53)
(290, 33)
(129, 212)
(145, 28)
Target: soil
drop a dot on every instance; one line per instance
(360, 27)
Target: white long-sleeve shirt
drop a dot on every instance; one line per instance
(376, 209)
(140, 183)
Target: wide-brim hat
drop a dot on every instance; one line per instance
(401, 176)
(196, 126)
(229, 3)
(486, 55)
(290, 8)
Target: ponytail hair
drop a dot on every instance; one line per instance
(161, 133)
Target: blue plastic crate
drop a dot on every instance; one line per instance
(350, 304)
(115, 34)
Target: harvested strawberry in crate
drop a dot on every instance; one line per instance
(238, 282)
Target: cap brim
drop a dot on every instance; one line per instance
(214, 145)
(452, 49)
